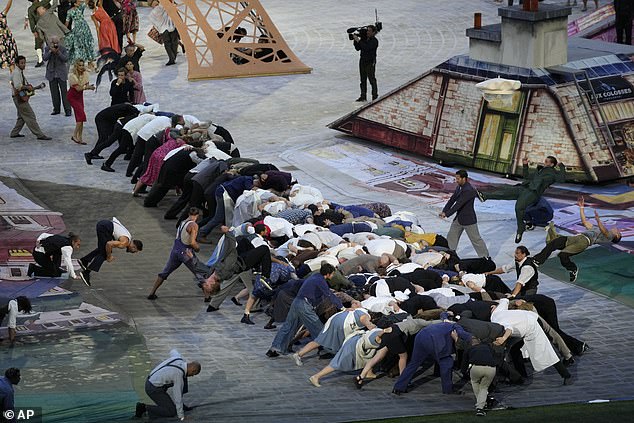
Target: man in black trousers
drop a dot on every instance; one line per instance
(461, 203)
(623, 11)
(110, 234)
(367, 61)
(105, 121)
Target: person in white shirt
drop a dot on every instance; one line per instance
(160, 19)
(146, 143)
(166, 385)
(48, 254)
(524, 324)
(22, 90)
(395, 247)
(110, 234)
(22, 304)
(191, 121)
(480, 282)
(526, 270)
(127, 138)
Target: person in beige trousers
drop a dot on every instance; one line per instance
(26, 115)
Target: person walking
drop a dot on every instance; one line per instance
(110, 234)
(56, 58)
(170, 374)
(22, 91)
(529, 191)
(461, 203)
(165, 26)
(79, 83)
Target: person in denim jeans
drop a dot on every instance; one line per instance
(302, 312)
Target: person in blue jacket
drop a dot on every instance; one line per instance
(436, 342)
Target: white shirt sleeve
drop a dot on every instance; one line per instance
(526, 274)
(508, 267)
(67, 253)
(13, 314)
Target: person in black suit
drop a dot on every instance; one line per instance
(461, 203)
(623, 11)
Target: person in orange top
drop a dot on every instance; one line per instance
(106, 31)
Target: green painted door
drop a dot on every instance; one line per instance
(497, 137)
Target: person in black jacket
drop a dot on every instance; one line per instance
(172, 174)
(122, 89)
(624, 12)
(461, 203)
(49, 252)
(367, 61)
(105, 121)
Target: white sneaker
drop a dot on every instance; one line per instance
(297, 359)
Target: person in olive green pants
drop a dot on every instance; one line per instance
(576, 244)
(528, 192)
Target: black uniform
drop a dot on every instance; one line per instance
(367, 65)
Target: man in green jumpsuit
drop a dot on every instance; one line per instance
(528, 192)
(31, 20)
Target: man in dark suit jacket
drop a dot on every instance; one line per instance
(461, 203)
(529, 191)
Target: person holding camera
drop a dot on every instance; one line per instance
(367, 61)
(56, 58)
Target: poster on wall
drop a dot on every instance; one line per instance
(609, 88)
(623, 134)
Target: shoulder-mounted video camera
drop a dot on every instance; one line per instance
(362, 31)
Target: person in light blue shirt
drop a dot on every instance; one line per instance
(171, 373)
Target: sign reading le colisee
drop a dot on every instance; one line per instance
(610, 88)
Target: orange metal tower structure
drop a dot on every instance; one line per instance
(229, 39)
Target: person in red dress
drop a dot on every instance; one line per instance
(78, 81)
(106, 31)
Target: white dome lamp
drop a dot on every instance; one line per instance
(498, 92)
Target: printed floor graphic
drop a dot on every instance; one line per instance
(434, 184)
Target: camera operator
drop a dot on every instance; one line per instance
(367, 61)
(56, 56)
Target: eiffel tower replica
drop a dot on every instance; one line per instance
(231, 39)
